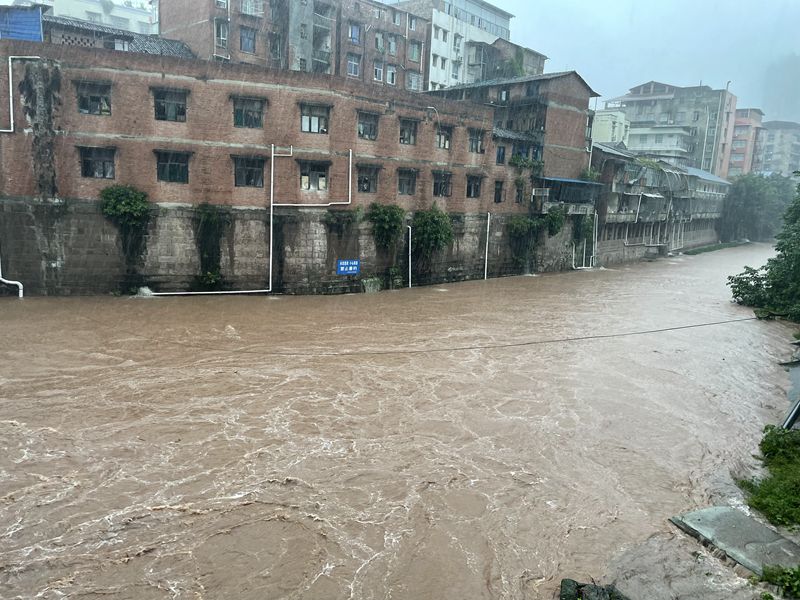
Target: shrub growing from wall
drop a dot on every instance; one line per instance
(130, 211)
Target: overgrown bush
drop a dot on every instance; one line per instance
(388, 222)
(777, 495)
(433, 231)
(211, 223)
(787, 580)
(555, 220)
(522, 235)
(775, 287)
(129, 210)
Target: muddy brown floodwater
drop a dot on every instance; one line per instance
(437, 443)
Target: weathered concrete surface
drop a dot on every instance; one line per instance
(742, 538)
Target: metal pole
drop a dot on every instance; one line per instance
(409, 256)
(486, 255)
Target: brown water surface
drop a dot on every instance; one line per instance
(430, 443)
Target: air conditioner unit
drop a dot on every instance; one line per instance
(541, 192)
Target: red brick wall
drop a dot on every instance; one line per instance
(210, 135)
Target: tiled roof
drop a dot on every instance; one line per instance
(138, 42)
(514, 80)
(507, 134)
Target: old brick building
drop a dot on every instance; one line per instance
(364, 40)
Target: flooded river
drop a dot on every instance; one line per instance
(470, 441)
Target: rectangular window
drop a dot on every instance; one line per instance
(501, 155)
(367, 180)
(414, 51)
(396, 16)
(353, 64)
(354, 32)
(248, 113)
(391, 74)
(221, 30)
(412, 22)
(254, 8)
(275, 46)
(443, 63)
(444, 35)
(368, 126)
(406, 182)
(442, 183)
(476, 141)
(172, 167)
(248, 171)
(392, 45)
(444, 137)
(473, 186)
(314, 119)
(378, 70)
(498, 192)
(222, 3)
(520, 192)
(659, 139)
(170, 105)
(408, 132)
(247, 40)
(97, 162)
(94, 98)
(456, 69)
(379, 46)
(314, 176)
(413, 81)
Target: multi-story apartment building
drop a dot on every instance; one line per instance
(138, 16)
(540, 118)
(611, 127)
(470, 42)
(745, 148)
(365, 40)
(685, 126)
(780, 148)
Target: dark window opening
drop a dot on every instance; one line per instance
(248, 113)
(476, 141)
(172, 167)
(313, 176)
(498, 192)
(247, 40)
(314, 119)
(473, 186)
(444, 137)
(442, 183)
(367, 180)
(406, 182)
(248, 172)
(97, 162)
(501, 155)
(170, 105)
(368, 126)
(94, 98)
(408, 132)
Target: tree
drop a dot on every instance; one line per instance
(754, 207)
(775, 287)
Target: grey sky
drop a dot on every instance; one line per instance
(617, 44)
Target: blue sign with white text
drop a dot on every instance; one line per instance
(348, 267)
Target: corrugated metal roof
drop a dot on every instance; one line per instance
(705, 175)
(138, 42)
(507, 134)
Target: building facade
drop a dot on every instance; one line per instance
(22, 19)
(470, 41)
(365, 41)
(611, 127)
(747, 141)
(780, 148)
(685, 126)
(137, 16)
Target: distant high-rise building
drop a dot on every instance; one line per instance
(138, 16)
(746, 141)
(611, 127)
(684, 126)
(780, 148)
(470, 41)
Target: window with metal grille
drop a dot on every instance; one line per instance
(408, 132)
(248, 113)
(254, 8)
(367, 179)
(444, 137)
(94, 98)
(368, 126)
(353, 64)
(414, 50)
(247, 40)
(172, 167)
(97, 162)
(221, 30)
(313, 176)
(473, 186)
(476, 141)
(248, 171)
(442, 183)
(314, 119)
(170, 105)
(498, 192)
(406, 182)
(501, 155)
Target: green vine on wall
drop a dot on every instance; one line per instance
(433, 232)
(211, 224)
(388, 222)
(129, 210)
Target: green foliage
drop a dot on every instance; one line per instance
(584, 228)
(787, 580)
(211, 223)
(775, 287)
(125, 206)
(387, 225)
(589, 174)
(522, 235)
(555, 219)
(755, 206)
(777, 496)
(433, 231)
(649, 162)
(522, 163)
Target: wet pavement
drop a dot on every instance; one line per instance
(475, 440)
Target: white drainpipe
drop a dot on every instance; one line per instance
(486, 255)
(11, 89)
(409, 256)
(8, 281)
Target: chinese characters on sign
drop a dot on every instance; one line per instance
(348, 267)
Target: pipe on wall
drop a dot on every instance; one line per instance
(9, 281)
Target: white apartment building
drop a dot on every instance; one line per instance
(139, 16)
(611, 127)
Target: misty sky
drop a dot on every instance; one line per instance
(617, 44)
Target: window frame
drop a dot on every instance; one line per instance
(500, 154)
(476, 141)
(353, 60)
(411, 126)
(170, 170)
(367, 125)
(93, 98)
(474, 185)
(251, 31)
(166, 98)
(241, 112)
(391, 70)
(352, 27)
(409, 176)
(367, 179)
(91, 156)
(307, 111)
(314, 171)
(444, 137)
(248, 171)
(442, 184)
